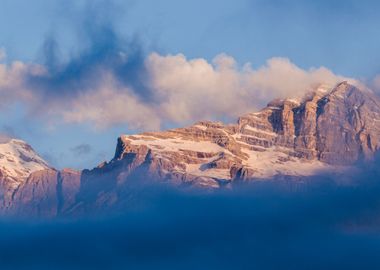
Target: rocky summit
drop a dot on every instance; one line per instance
(327, 130)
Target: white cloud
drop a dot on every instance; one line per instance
(189, 90)
(110, 105)
(12, 85)
(195, 89)
(182, 91)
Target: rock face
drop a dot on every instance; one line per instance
(46, 193)
(326, 130)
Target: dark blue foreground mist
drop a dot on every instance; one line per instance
(271, 225)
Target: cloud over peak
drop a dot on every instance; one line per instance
(113, 87)
(193, 89)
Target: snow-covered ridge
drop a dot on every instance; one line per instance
(18, 159)
(199, 156)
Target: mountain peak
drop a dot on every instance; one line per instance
(329, 128)
(343, 88)
(18, 159)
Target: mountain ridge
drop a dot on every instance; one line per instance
(325, 131)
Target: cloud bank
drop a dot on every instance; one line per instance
(193, 89)
(107, 86)
(267, 225)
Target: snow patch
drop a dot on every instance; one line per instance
(273, 162)
(18, 160)
(178, 144)
(248, 127)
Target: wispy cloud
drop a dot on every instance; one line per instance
(82, 149)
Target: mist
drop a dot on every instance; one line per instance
(321, 222)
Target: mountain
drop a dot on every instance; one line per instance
(46, 192)
(17, 161)
(326, 130)
(329, 129)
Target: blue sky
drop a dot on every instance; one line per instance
(342, 36)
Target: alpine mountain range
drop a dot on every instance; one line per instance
(328, 130)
